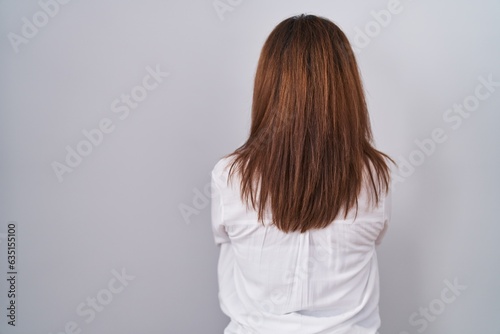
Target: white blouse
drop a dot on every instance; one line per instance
(321, 281)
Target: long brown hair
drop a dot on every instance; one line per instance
(310, 137)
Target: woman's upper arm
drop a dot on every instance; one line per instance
(386, 217)
(217, 212)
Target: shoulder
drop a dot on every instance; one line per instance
(221, 169)
(222, 164)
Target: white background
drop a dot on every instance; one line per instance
(120, 207)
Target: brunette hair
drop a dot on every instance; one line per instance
(310, 139)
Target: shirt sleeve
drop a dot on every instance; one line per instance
(387, 216)
(217, 214)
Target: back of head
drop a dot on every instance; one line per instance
(310, 144)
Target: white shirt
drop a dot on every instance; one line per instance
(321, 281)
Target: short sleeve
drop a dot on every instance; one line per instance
(387, 215)
(217, 214)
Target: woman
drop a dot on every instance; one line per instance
(298, 209)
